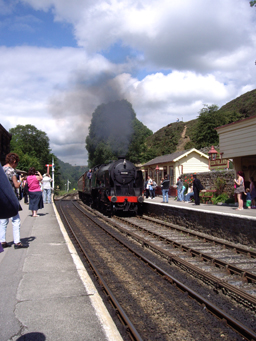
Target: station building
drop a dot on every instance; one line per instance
(176, 164)
(237, 141)
(5, 139)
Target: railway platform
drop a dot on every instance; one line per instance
(221, 221)
(216, 209)
(46, 293)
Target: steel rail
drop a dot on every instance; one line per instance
(130, 329)
(246, 298)
(246, 275)
(219, 284)
(237, 249)
(233, 323)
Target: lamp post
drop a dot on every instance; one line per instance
(212, 155)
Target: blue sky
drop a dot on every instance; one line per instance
(27, 26)
(60, 59)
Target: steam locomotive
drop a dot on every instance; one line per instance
(115, 186)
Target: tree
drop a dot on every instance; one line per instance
(205, 134)
(137, 147)
(32, 146)
(253, 3)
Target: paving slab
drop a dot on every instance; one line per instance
(46, 293)
(216, 209)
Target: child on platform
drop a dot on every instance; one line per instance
(248, 198)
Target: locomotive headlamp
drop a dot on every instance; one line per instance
(113, 199)
(124, 163)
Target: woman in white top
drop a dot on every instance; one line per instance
(47, 188)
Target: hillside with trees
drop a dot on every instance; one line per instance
(70, 173)
(200, 133)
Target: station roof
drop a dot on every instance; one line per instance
(173, 157)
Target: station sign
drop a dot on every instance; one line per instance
(222, 163)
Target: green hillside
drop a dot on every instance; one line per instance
(245, 105)
(200, 133)
(70, 173)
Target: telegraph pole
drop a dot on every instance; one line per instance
(53, 173)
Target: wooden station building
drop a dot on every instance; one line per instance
(5, 139)
(176, 164)
(238, 142)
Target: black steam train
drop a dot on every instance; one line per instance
(115, 186)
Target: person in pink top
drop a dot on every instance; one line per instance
(34, 191)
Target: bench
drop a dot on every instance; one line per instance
(207, 194)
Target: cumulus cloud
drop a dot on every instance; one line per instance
(184, 54)
(170, 34)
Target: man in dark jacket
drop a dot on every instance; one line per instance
(197, 187)
(165, 183)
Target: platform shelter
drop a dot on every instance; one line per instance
(176, 164)
(237, 142)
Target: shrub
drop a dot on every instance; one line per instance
(220, 184)
(220, 198)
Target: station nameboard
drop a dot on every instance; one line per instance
(223, 163)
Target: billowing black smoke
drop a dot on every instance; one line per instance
(111, 126)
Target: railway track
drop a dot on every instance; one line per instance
(149, 305)
(225, 266)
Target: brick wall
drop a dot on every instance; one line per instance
(231, 228)
(208, 179)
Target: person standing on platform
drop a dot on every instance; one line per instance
(248, 198)
(147, 185)
(239, 190)
(34, 190)
(25, 190)
(47, 188)
(165, 183)
(154, 186)
(197, 187)
(252, 191)
(150, 189)
(13, 207)
(179, 185)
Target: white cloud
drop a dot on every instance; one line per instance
(191, 52)
(170, 34)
